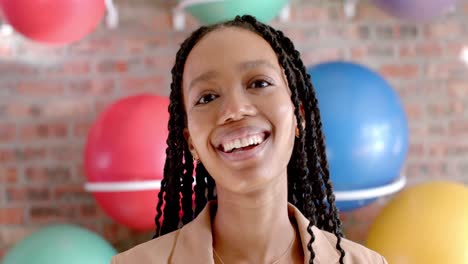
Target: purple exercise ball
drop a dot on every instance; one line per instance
(415, 10)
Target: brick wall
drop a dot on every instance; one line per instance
(49, 97)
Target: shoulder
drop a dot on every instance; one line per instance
(354, 252)
(154, 251)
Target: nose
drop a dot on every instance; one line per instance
(236, 106)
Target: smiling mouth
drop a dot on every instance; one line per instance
(243, 144)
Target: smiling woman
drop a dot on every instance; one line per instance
(243, 107)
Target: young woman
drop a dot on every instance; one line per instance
(243, 108)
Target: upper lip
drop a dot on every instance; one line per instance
(230, 134)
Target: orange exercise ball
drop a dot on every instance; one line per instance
(426, 223)
(55, 22)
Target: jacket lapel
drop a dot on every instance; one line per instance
(195, 243)
(325, 252)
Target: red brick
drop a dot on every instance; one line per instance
(70, 68)
(92, 87)
(406, 32)
(315, 13)
(44, 175)
(28, 194)
(428, 49)
(137, 44)
(95, 45)
(444, 70)
(89, 211)
(16, 68)
(457, 149)
(8, 175)
(414, 111)
(458, 88)
(416, 149)
(371, 13)
(81, 128)
(40, 214)
(41, 88)
(44, 131)
(110, 66)
(436, 110)
(102, 105)
(65, 152)
(7, 132)
(20, 110)
(163, 63)
(358, 53)
(146, 84)
(7, 155)
(31, 154)
(454, 48)
(402, 71)
(427, 170)
(437, 130)
(458, 127)
(12, 216)
(66, 108)
(381, 50)
(438, 149)
(322, 55)
(71, 192)
(444, 30)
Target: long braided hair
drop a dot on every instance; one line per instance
(309, 185)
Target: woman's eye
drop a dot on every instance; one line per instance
(259, 84)
(204, 99)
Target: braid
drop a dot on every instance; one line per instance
(187, 182)
(309, 185)
(200, 188)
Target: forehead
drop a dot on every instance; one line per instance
(224, 48)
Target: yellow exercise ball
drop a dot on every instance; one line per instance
(423, 224)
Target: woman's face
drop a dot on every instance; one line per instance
(240, 118)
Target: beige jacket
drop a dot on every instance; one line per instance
(192, 244)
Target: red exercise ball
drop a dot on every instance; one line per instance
(55, 22)
(125, 156)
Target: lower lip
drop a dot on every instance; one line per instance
(242, 155)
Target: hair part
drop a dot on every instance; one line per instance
(309, 185)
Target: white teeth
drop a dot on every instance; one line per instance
(241, 143)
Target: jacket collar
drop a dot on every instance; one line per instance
(194, 242)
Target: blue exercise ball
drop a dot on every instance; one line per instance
(365, 127)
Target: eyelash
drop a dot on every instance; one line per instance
(214, 96)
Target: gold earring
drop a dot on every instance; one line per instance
(195, 158)
(298, 133)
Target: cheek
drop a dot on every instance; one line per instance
(198, 128)
(285, 114)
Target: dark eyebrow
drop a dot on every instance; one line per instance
(243, 66)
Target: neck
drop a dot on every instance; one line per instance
(253, 227)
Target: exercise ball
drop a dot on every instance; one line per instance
(217, 11)
(55, 22)
(61, 244)
(426, 223)
(415, 10)
(365, 127)
(125, 154)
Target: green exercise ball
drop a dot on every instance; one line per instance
(61, 244)
(214, 12)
